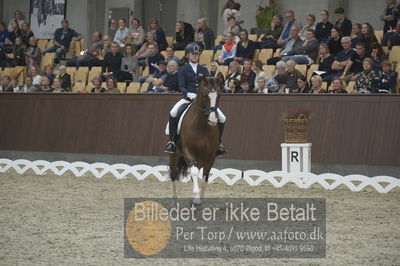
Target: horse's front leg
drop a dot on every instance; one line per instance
(194, 173)
(205, 182)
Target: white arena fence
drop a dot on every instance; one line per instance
(278, 179)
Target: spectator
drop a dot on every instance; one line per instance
(184, 34)
(316, 85)
(291, 44)
(292, 75)
(366, 78)
(234, 70)
(307, 52)
(33, 55)
(233, 28)
(335, 43)
(310, 25)
(154, 58)
(97, 86)
(48, 72)
(26, 33)
(204, 36)
(341, 60)
(386, 80)
(57, 86)
(285, 35)
(338, 86)
(262, 85)
(272, 85)
(324, 28)
(28, 85)
(388, 16)
(18, 17)
(377, 56)
(368, 36)
(281, 82)
(227, 12)
(15, 32)
(65, 78)
(36, 78)
(228, 50)
(232, 86)
(325, 60)
(44, 85)
(6, 84)
(121, 32)
(129, 40)
(355, 64)
(90, 56)
(236, 12)
(171, 82)
(156, 78)
(128, 65)
(269, 39)
(112, 85)
(245, 48)
(302, 85)
(248, 77)
(143, 52)
(137, 33)
(257, 68)
(356, 35)
(170, 55)
(105, 49)
(392, 38)
(19, 49)
(343, 23)
(63, 38)
(112, 62)
(4, 37)
(159, 35)
(214, 72)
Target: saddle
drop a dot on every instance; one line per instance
(181, 114)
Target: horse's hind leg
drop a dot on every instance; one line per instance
(205, 182)
(173, 172)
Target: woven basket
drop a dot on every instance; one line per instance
(296, 130)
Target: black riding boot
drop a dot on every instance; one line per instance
(221, 149)
(173, 127)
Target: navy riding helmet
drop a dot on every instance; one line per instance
(193, 48)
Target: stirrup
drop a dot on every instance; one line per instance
(221, 151)
(170, 147)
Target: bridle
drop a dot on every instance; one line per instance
(208, 110)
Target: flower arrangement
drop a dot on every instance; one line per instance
(265, 14)
(297, 113)
(295, 125)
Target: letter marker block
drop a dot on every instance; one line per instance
(296, 157)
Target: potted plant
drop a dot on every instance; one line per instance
(295, 124)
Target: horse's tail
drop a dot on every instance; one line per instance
(182, 167)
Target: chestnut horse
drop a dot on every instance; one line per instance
(199, 138)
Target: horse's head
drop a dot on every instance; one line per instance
(208, 96)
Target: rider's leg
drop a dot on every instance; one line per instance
(173, 126)
(221, 123)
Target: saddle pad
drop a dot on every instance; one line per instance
(182, 115)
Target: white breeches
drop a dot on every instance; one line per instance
(175, 109)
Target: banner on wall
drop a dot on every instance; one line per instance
(46, 16)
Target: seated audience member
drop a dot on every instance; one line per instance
(170, 55)
(158, 77)
(357, 35)
(45, 85)
(307, 52)
(106, 48)
(204, 36)
(18, 17)
(245, 48)
(262, 85)
(343, 23)
(112, 62)
(90, 56)
(316, 85)
(292, 75)
(355, 64)
(280, 70)
(323, 28)
(228, 50)
(293, 43)
(112, 85)
(302, 85)
(63, 38)
(33, 55)
(154, 58)
(97, 86)
(143, 52)
(366, 78)
(5, 43)
(215, 73)
(377, 56)
(137, 33)
(269, 39)
(129, 40)
(368, 36)
(65, 78)
(388, 16)
(233, 28)
(128, 65)
(338, 86)
(309, 26)
(36, 78)
(159, 35)
(335, 42)
(15, 32)
(281, 82)
(325, 60)
(341, 60)
(285, 35)
(392, 38)
(257, 68)
(19, 49)
(28, 85)
(234, 73)
(6, 84)
(248, 77)
(232, 86)
(48, 72)
(184, 34)
(121, 33)
(171, 82)
(26, 33)
(386, 80)
(57, 86)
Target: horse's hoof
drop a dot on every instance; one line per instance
(196, 203)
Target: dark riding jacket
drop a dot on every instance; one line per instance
(190, 81)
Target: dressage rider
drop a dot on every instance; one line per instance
(190, 77)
